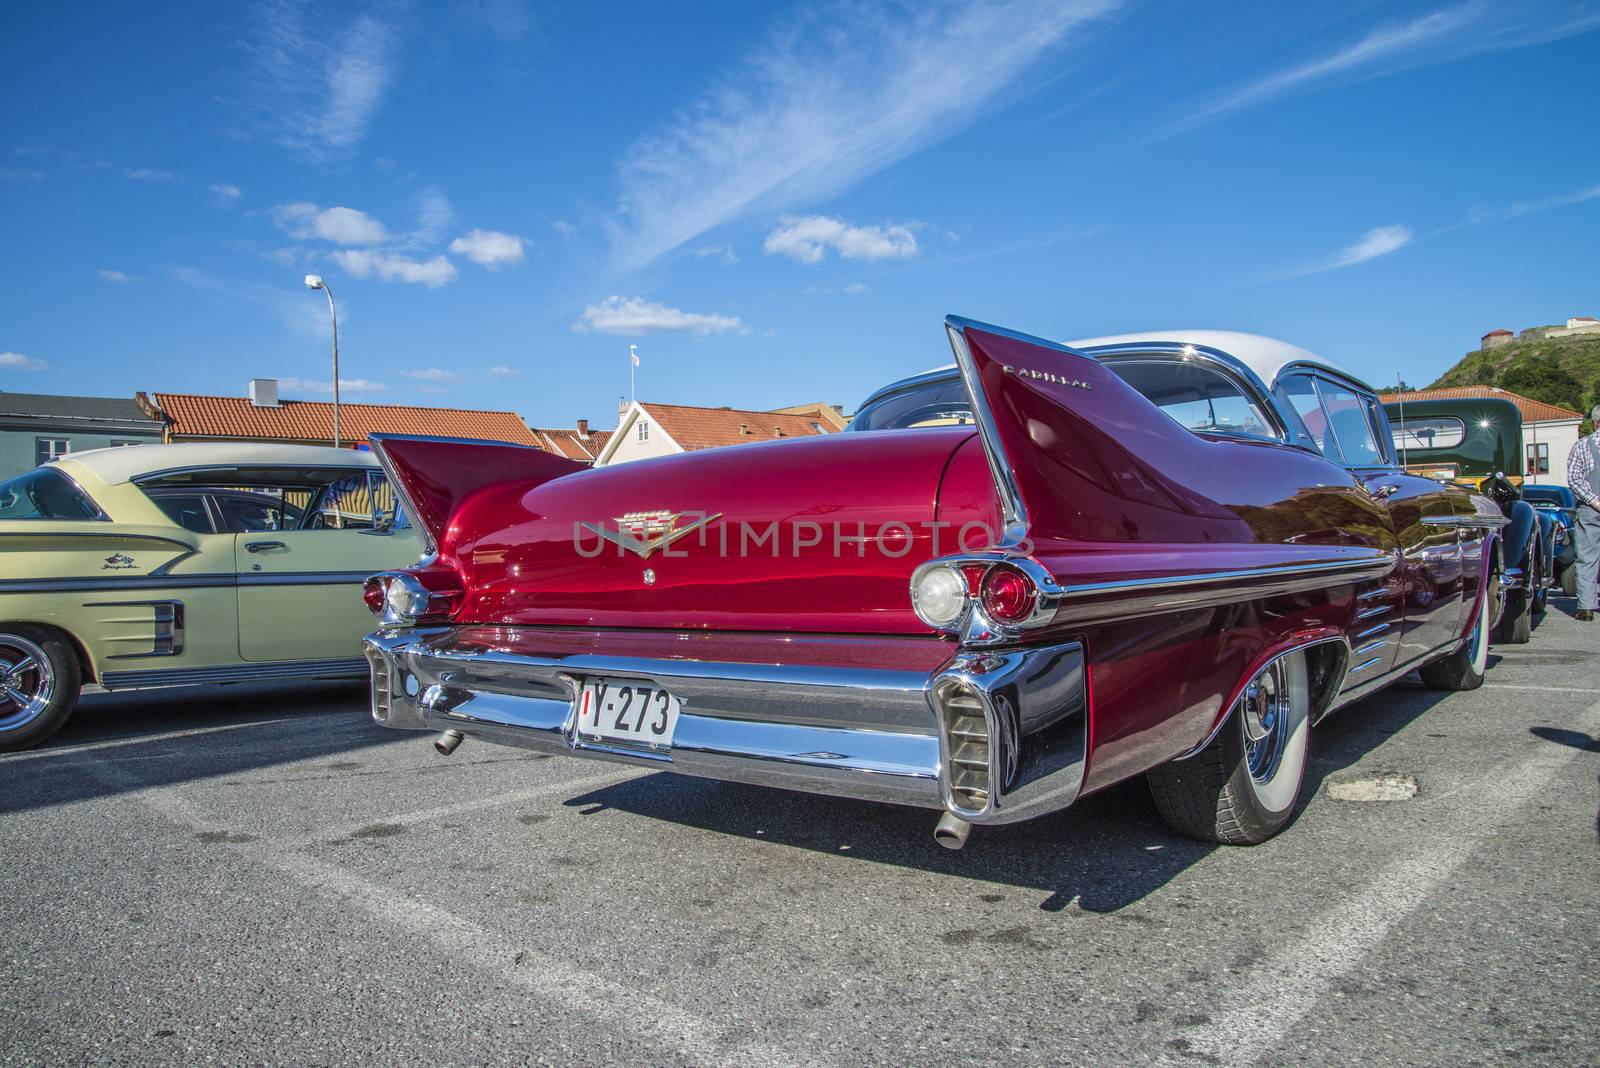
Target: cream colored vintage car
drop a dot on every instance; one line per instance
(162, 565)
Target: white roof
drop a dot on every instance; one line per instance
(1266, 356)
(113, 466)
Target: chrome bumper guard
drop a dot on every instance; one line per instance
(993, 737)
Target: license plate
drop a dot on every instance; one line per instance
(627, 710)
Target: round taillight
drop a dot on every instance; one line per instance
(939, 596)
(372, 594)
(1008, 595)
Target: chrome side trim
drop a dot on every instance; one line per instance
(1126, 598)
(116, 584)
(1370, 594)
(1370, 631)
(194, 469)
(167, 631)
(1367, 664)
(342, 668)
(1372, 646)
(300, 578)
(1375, 610)
(152, 581)
(1466, 522)
(111, 535)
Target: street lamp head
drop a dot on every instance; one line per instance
(314, 281)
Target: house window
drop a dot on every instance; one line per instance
(47, 449)
(644, 431)
(1538, 458)
(122, 443)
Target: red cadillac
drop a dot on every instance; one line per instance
(1010, 583)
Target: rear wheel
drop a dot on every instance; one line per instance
(1241, 789)
(39, 682)
(1569, 580)
(1516, 622)
(1464, 668)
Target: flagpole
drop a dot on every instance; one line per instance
(633, 361)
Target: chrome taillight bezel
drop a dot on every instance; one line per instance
(407, 602)
(973, 624)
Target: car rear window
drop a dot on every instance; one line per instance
(45, 493)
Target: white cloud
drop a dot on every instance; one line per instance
(342, 226)
(319, 81)
(20, 175)
(636, 316)
(150, 174)
(1379, 241)
(855, 289)
(16, 361)
(435, 216)
(226, 193)
(393, 267)
(560, 226)
(1533, 207)
(488, 248)
(1473, 28)
(434, 374)
(500, 370)
(114, 276)
(840, 95)
(507, 20)
(807, 239)
(346, 385)
(724, 252)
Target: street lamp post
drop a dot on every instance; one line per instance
(314, 281)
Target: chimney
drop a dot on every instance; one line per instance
(264, 392)
(744, 428)
(583, 428)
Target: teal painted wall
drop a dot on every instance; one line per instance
(17, 442)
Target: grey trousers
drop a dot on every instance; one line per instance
(1587, 539)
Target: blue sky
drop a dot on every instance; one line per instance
(777, 204)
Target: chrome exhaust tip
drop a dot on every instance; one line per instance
(951, 831)
(447, 741)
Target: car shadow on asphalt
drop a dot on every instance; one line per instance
(1108, 851)
(183, 734)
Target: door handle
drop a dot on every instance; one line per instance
(263, 546)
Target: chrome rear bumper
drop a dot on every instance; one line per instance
(992, 736)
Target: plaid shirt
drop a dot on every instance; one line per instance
(1580, 464)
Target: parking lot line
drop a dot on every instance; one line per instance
(65, 753)
(1256, 1017)
(582, 784)
(698, 1039)
(1541, 689)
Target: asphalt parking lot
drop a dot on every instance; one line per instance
(260, 875)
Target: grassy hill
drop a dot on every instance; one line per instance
(1562, 370)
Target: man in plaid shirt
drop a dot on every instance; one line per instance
(1583, 475)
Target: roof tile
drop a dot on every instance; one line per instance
(707, 428)
(195, 416)
(1533, 411)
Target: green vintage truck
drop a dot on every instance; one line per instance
(163, 565)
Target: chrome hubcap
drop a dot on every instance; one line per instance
(1264, 715)
(26, 682)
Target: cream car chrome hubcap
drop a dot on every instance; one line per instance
(26, 682)
(1265, 715)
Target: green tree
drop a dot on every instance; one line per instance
(1544, 380)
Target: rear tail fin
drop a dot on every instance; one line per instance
(434, 475)
(1023, 389)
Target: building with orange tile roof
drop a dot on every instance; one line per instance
(263, 417)
(578, 443)
(648, 429)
